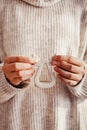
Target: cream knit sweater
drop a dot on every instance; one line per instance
(43, 27)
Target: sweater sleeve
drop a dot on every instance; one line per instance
(7, 91)
(80, 90)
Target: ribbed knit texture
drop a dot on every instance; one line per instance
(43, 28)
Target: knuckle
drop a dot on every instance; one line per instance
(70, 67)
(70, 76)
(17, 58)
(15, 66)
(18, 74)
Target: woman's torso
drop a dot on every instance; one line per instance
(27, 31)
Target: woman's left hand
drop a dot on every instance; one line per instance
(70, 69)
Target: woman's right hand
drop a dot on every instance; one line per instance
(18, 69)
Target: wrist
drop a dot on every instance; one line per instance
(23, 84)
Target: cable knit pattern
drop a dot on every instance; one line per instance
(43, 28)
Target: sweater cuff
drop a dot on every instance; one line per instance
(21, 85)
(80, 90)
(7, 91)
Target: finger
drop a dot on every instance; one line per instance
(20, 59)
(69, 67)
(67, 81)
(68, 75)
(16, 67)
(22, 73)
(18, 80)
(69, 59)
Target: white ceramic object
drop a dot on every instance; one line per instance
(37, 81)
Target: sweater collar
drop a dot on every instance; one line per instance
(41, 3)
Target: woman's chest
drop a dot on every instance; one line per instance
(40, 31)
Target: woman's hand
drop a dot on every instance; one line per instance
(70, 69)
(18, 69)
